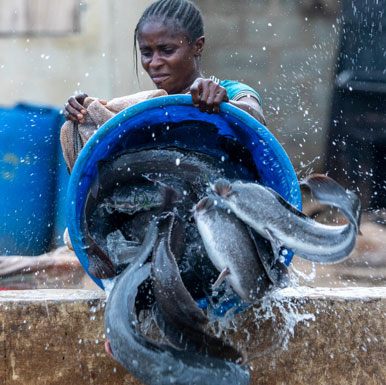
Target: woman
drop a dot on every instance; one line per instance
(170, 36)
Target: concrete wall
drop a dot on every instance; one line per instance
(98, 60)
(286, 50)
(282, 48)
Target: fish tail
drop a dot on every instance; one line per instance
(327, 191)
(136, 353)
(222, 187)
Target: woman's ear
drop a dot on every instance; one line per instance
(198, 46)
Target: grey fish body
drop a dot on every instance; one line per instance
(273, 218)
(165, 164)
(152, 363)
(229, 246)
(177, 314)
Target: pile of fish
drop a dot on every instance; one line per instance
(172, 226)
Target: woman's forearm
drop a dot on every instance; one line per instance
(253, 108)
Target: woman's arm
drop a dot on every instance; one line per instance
(208, 94)
(251, 105)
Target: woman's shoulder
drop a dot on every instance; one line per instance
(237, 90)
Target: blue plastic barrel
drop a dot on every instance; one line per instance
(29, 140)
(163, 121)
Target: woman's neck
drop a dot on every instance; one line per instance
(196, 75)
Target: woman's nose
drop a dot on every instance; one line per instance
(156, 61)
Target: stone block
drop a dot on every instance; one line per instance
(310, 336)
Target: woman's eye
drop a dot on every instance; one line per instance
(146, 54)
(169, 51)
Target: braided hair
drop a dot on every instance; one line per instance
(183, 13)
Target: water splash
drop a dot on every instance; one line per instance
(302, 275)
(266, 327)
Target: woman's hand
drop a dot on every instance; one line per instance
(207, 95)
(74, 110)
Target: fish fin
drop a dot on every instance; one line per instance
(269, 256)
(280, 274)
(177, 238)
(99, 265)
(327, 191)
(222, 187)
(286, 204)
(221, 278)
(169, 197)
(276, 243)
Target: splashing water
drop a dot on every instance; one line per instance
(300, 274)
(267, 326)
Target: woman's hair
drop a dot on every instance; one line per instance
(182, 14)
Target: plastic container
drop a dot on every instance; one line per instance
(174, 120)
(29, 138)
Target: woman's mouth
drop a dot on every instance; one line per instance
(158, 79)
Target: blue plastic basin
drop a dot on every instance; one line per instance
(154, 122)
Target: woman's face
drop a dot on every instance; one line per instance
(168, 58)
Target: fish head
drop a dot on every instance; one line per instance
(222, 187)
(204, 205)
